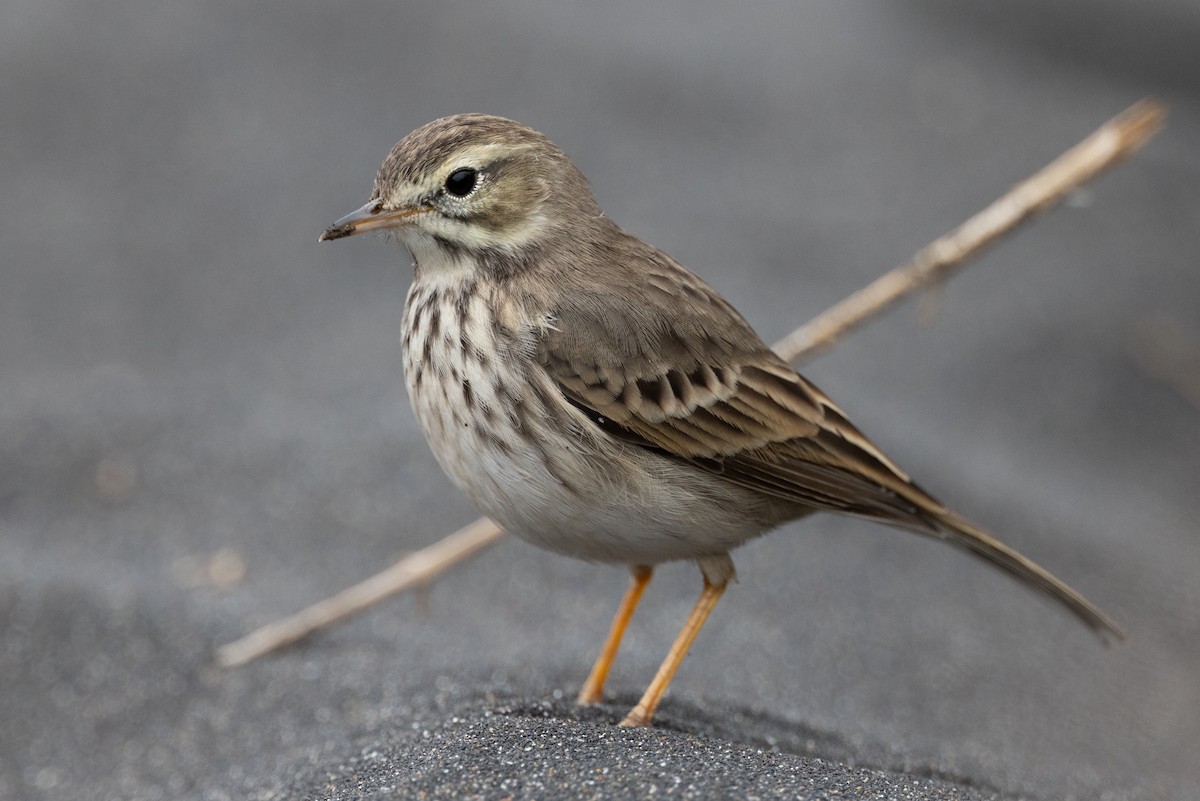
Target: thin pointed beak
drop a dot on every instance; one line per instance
(370, 217)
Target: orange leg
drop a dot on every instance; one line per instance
(641, 714)
(593, 688)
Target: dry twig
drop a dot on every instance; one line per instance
(1111, 143)
(1108, 146)
(413, 570)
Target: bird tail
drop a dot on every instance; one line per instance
(961, 532)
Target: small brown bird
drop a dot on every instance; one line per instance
(595, 398)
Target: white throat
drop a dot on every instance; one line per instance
(433, 259)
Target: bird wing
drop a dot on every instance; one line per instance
(692, 381)
(754, 425)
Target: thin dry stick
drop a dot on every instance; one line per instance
(1108, 146)
(411, 571)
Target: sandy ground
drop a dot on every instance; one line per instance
(186, 377)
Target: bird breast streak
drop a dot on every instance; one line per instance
(478, 421)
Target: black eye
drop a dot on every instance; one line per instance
(461, 182)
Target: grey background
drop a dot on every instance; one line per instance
(183, 369)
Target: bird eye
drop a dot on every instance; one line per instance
(462, 182)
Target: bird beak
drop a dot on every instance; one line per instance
(370, 217)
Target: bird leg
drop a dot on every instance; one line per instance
(593, 688)
(641, 714)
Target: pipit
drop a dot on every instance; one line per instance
(595, 398)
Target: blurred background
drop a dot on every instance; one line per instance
(203, 424)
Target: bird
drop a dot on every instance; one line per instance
(596, 398)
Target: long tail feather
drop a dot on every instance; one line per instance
(965, 534)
